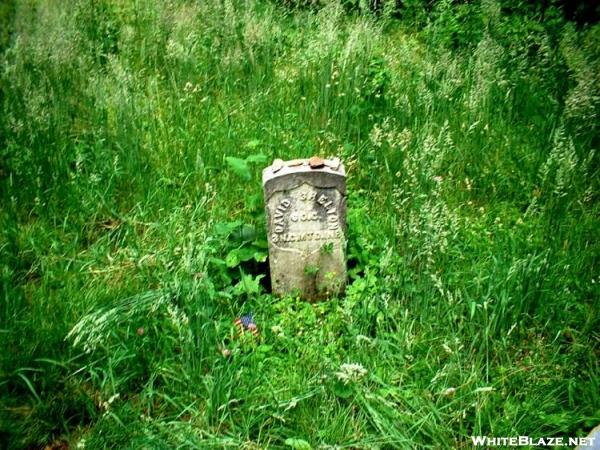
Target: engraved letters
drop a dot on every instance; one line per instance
(279, 215)
(332, 219)
(283, 213)
(310, 236)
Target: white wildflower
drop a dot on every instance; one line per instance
(351, 373)
(448, 392)
(362, 338)
(484, 389)
(278, 330)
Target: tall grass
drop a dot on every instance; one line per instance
(469, 133)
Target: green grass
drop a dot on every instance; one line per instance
(130, 240)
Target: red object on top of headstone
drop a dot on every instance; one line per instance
(315, 162)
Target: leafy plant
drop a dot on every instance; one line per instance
(241, 167)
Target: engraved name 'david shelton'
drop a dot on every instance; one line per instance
(283, 208)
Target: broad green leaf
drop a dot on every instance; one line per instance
(239, 167)
(218, 261)
(232, 259)
(260, 256)
(246, 232)
(225, 228)
(342, 390)
(261, 243)
(259, 158)
(248, 285)
(238, 255)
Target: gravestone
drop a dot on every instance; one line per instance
(306, 218)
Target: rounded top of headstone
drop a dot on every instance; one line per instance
(315, 164)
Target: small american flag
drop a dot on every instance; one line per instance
(246, 323)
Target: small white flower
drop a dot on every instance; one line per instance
(484, 389)
(351, 372)
(468, 184)
(362, 338)
(276, 329)
(448, 392)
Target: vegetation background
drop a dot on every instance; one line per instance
(132, 233)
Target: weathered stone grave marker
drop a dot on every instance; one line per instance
(306, 219)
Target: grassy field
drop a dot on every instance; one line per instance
(128, 244)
